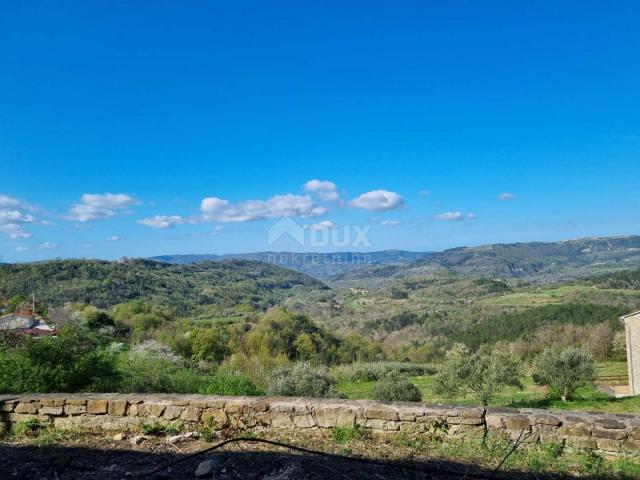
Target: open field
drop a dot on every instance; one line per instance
(556, 296)
(532, 396)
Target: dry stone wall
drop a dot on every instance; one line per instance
(605, 433)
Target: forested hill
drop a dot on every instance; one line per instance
(533, 261)
(318, 265)
(103, 284)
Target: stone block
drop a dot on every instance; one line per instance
(465, 421)
(334, 416)
(494, 420)
(581, 443)
(75, 409)
(517, 422)
(52, 402)
(609, 423)
(215, 416)
(53, 411)
(154, 409)
(75, 401)
(8, 406)
(117, 408)
(191, 414)
(97, 407)
(26, 407)
(608, 445)
(576, 429)
(545, 419)
(612, 434)
(281, 419)
(381, 412)
(171, 412)
(631, 446)
(304, 421)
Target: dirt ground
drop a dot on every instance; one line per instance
(98, 457)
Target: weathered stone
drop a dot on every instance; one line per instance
(117, 408)
(8, 406)
(172, 412)
(155, 409)
(471, 413)
(609, 433)
(97, 407)
(119, 437)
(581, 443)
(26, 407)
(215, 416)
(465, 421)
(138, 439)
(53, 411)
(198, 404)
(608, 445)
(609, 423)
(304, 421)
(381, 412)
(70, 409)
(52, 402)
(191, 414)
(281, 419)
(517, 422)
(494, 420)
(260, 406)
(334, 416)
(235, 408)
(631, 446)
(75, 401)
(544, 419)
(576, 430)
(180, 402)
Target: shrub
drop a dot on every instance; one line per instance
(396, 388)
(347, 433)
(483, 373)
(303, 379)
(73, 361)
(225, 383)
(564, 370)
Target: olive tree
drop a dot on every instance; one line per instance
(482, 374)
(564, 371)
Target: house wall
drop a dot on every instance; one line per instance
(604, 433)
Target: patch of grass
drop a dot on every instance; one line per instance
(160, 429)
(347, 434)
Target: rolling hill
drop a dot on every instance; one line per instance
(103, 284)
(318, 265)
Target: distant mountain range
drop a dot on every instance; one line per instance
(318, 265)
(532, 261)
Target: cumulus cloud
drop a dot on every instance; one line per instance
(378, 200)
(98, 206)
(506, 196)
(21, 248)
(324, 225)
(163, 221)
(48, 245)
(13, 217)
(455, 216)
(323, 189)
(278, 206)
(391, 223)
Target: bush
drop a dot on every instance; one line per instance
(224, 383)
(367, 371)
(564, 370)
(396, 388)
(303, 379)
(71, 362)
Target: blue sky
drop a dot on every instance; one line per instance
(146, 128)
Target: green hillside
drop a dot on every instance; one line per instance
(184, 287)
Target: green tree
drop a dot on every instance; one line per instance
(394, 387)
(564, 371)
(482, 374)
(209, 344)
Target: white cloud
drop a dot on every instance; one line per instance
(455, 216)
(324, 225)
(21, 248)
(424, 193)
(48, 245)
(13, 218)
(378, 200)
(506, 196)
(391, 223)
(278, 206)
(113, 238)
(323, 189)
(163, 221)
(97, 206)
(86, 245)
